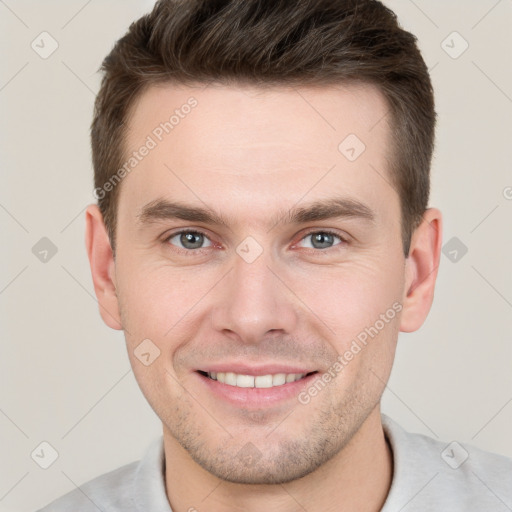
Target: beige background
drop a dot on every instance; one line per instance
(65, 376)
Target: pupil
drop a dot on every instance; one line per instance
(323, 238)
(188, 238)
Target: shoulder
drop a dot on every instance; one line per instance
(137, 486)
(110, 491)
(454, 476)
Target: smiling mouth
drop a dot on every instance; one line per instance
(255, 381)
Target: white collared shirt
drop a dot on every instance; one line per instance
(428, 476)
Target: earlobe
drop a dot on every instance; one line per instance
(421, 269)
(102, 265)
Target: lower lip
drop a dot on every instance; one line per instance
(256, 397)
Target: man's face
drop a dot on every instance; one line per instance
(263, 293)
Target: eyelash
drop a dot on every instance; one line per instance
(200, 250)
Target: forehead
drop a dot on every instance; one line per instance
(257, 147)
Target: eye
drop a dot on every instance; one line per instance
(188, 240)
(193, 240)
(322, 239)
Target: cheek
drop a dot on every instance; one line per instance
(352, 296)
(156, 300)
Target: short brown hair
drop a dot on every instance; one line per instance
(265, 43)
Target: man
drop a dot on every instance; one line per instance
(262, 236)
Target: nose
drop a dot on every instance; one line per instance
(253, 301)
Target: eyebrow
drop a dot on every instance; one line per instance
(324, 209)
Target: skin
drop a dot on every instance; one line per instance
(248, 154)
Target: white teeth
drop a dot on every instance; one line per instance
(230, 378)
(263, 381)
(245, 381)
(249, 381)
(278, 379)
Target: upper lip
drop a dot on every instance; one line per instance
(255, 370)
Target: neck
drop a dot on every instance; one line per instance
(357, 478)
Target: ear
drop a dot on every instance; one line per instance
(102, 264)
(421, 268)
